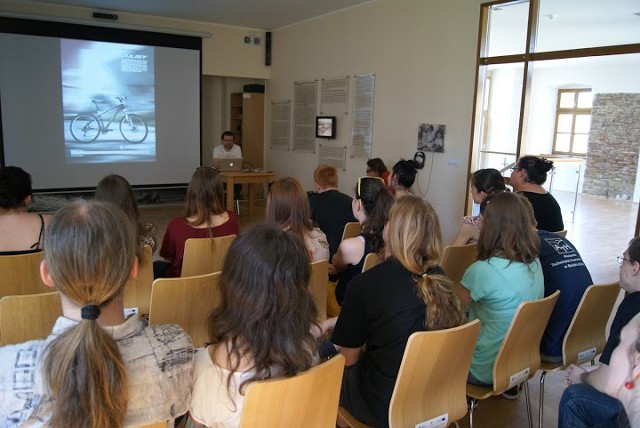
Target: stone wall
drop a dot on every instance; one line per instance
(614, 145)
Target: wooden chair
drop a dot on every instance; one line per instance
(28, 317)
(351, 229)
(456, 259)
(519, 356)
(308, 399)
(370, 261)
(431, 383)
(21, 275)
(318, 287)
(186, 302)
(137, 292)
(205, 255)
(586, 336)
(562, 233)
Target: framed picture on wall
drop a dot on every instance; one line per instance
(326, 127)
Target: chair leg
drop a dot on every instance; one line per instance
(541, 399)
(473, 403)
(528, 400)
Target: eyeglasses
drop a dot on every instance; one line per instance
(367, 178)
(515, 168)
(621, 260)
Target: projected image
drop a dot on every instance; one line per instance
(108, 96)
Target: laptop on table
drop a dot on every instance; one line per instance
(230, 164)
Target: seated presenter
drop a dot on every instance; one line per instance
(226, 149)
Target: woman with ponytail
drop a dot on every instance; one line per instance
(370, 206)
(96, 369)
(406, 293)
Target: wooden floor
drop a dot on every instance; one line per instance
(601, 230)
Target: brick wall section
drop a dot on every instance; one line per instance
(614, 145)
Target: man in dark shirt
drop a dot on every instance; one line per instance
(330, 209)
(577, 401)
(563, 270)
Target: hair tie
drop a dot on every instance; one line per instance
(424, 275)
(90, 312)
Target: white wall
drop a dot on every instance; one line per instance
(423, 55)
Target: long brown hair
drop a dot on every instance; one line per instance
(508, 229)
(413, 238)
(91, 248)
(288, 207)
(376, 202)
(205, 196)
(266, 310)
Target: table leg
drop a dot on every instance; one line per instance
(252, 197)
(230, 205)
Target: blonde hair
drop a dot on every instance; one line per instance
(91, 249)
(414, 239)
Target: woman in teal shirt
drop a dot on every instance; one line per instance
(506, 274)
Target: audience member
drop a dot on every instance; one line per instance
(288, 207)
(616, 403)
(595, 376)
(262, 327)
(330, 208)
(205, 216)
(527, 179)
(226, 149)
(407, 292)
(370, 205)
(21, 232)
(483, 182)
(563, 270)
(506, 274)
(96, 369)
(377, 168)
(117, 190)
(403, 177)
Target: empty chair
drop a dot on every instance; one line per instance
(431, 383)
(205, 255)
(28, 317)
(519, 356)
(308, 399)
(586, 335)
(318, 286)
(456, 259)
(21, 274)
(370, 261)
(186, 302)
(137, 292)
(351, 229)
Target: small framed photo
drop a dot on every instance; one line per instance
(326, 127)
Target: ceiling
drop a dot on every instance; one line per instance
(256, 14)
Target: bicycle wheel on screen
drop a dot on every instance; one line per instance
(85, 128)
(133, 129)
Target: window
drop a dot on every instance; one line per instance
(573, 122)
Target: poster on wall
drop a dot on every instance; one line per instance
(332, 155)
(431, 138)
(334, 96)
(280, 124)
(362, 126)
(305, 101)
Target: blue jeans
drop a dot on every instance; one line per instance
(584, 406)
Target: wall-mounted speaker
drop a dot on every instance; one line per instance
(267, 48)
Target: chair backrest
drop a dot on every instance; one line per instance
(318, 286)
(586, 335)
(562, 233)
(186, 302)
(351, 229)
(28, 317)
(519, 356)
(157, 425)
(456, 259)
(21, 274)
(308, 399)
(205, 255)
(370, 261)
(432, 379)
(137, 292)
